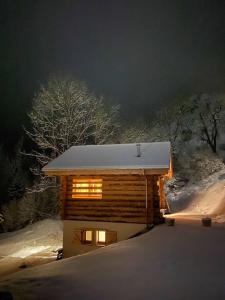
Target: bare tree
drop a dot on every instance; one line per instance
(136, 132)
(1, 218)
(106, 123)
(209, 110)
(66, 113)
(168, 124)
(172, 123)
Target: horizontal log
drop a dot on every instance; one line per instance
(106, 193)
(105, 204)
(124, 182)
(109, 197)
(101, 172)
(124, 187)
(138, 220)
(108, 178)
(63, 179)
(116, 183)
(101, 201)
(113, 197)
(105, 217)
(116, 211)
(123, 199)
(62, 192)
(109, 209)
(104, 199)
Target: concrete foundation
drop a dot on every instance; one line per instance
(72, 246)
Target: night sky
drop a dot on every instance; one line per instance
(137, 53)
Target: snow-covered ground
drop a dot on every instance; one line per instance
(206, 198)
(33, 245)
(182, 262)
(173, 263)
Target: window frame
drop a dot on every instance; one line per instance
(92, 188)
(99, 243)
(84, 240)
(95, 238)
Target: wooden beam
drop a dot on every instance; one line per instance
(66, 172)
(62, 196)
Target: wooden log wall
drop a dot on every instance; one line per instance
(156, 199)
(163, 203)
(123, 200)
(62, 195)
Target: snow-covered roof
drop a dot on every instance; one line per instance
(113, 156)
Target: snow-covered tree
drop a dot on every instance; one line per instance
(66, 113)
(136, 132)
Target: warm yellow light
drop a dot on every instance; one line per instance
(81, 185)
(87, 188)
(81, 190)
(86, 196)
(100, 236)
(75, 180)
(88, 235)
(89, 185)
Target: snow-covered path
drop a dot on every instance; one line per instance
(185, 262)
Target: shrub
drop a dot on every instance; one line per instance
(29, 209)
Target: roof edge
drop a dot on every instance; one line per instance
(139, 171)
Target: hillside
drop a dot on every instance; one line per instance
(205, 198)
(182, 262)
(33, 245)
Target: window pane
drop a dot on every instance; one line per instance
(88, 235)
(101, 236)
(87, 188)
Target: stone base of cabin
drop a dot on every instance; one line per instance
(72, 237)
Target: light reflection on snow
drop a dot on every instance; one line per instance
(28, 251)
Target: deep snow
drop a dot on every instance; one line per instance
(182, 262)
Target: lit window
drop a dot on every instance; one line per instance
(100, 236)
(87, 236)
(87, 188)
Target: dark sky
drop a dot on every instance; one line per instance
(137, 53)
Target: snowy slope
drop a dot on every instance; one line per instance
(184, 262)
(206, 198)
(173, 263)
(30, 246)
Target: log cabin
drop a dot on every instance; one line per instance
(109, 193)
